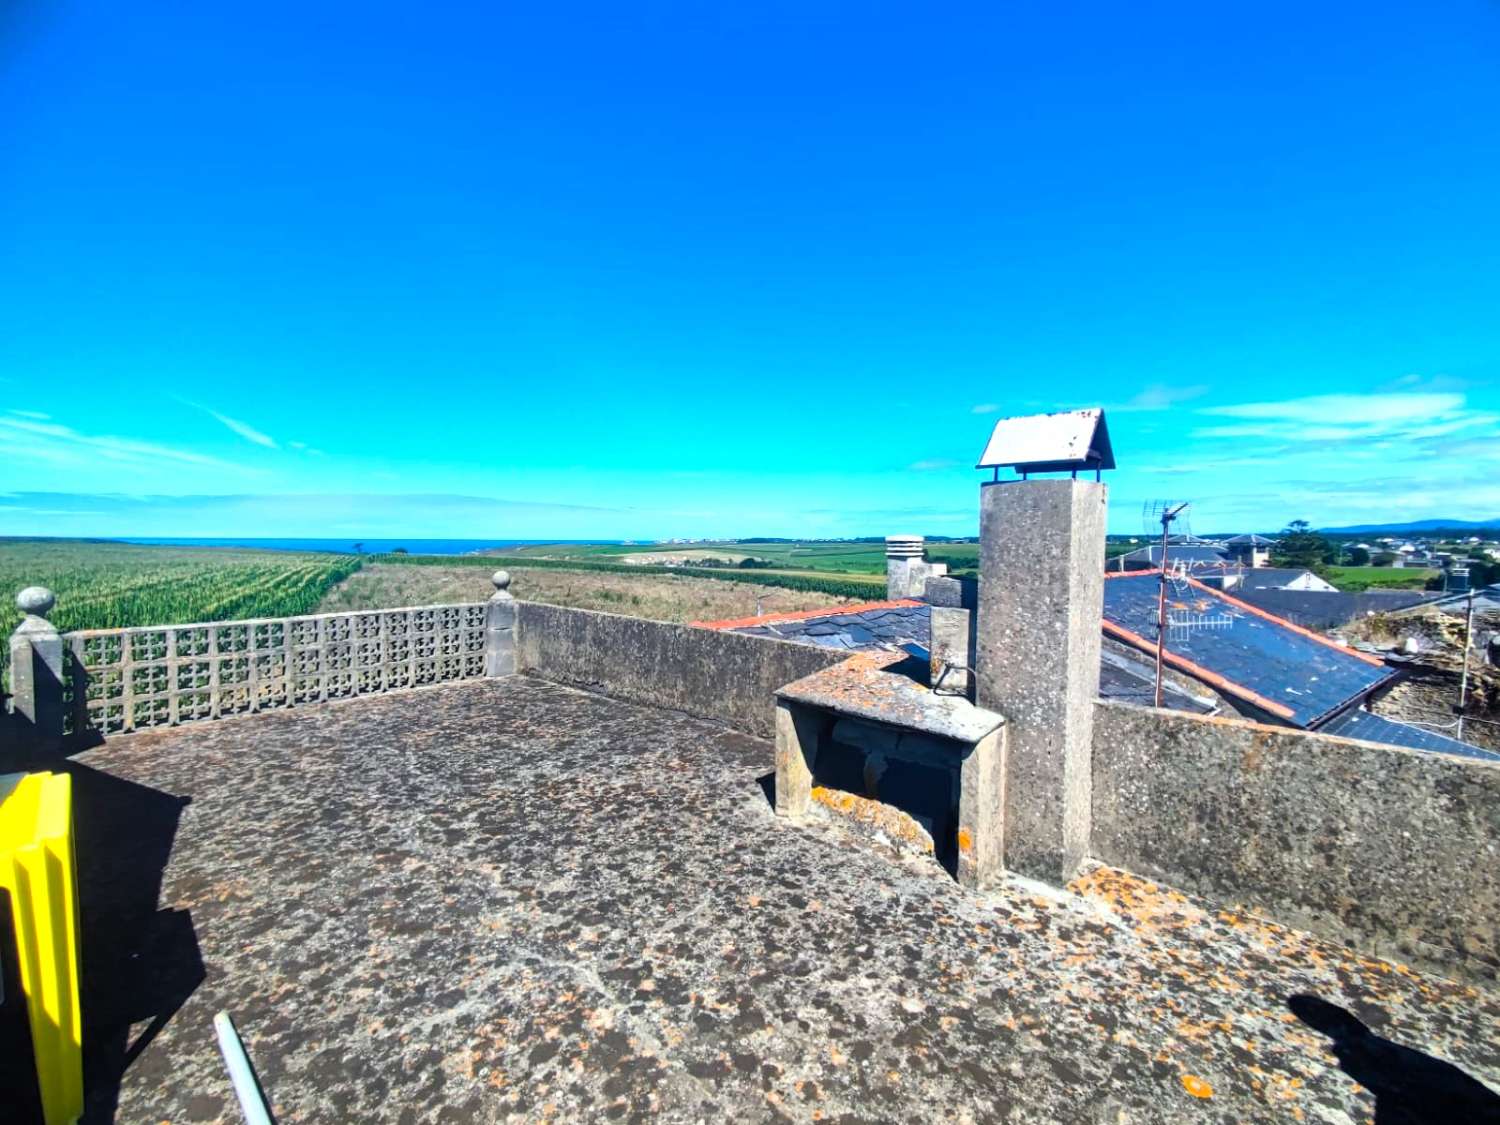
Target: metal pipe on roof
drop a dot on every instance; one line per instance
(247, 1089)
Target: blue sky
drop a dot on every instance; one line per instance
(648, 270)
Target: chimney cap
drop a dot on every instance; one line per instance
(905, 547)
(1050, 443)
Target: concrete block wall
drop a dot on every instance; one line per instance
(1394, 851)
(729, 677)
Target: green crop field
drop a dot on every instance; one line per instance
(805, 556)
(108, 585)
(1353, 579)
(835, 556)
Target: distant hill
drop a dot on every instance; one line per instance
(1417, 525)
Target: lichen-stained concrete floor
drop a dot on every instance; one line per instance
(510, 900)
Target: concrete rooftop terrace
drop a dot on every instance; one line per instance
(512, 900)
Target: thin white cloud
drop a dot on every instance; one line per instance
(248, 432)
(1158, 397)
(1366, 409)
(1353, 421)
(987, 408)
(36, 414)
(59, 444)
(933, 464)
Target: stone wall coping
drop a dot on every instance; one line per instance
(1313, 737)
(863, 687)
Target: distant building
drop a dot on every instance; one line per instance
(1250, 550)
(1149, 558)
(1235, 577)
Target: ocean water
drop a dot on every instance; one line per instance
(369, 546)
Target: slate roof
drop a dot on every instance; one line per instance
(1288, 672)
(1362, 724)
(856, 628)
(1126, 679)
(1321, 609)
(1274, 665)
(887, 625)
(1251, 540)
(1486, 600)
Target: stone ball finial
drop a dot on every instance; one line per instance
(501, 579)
(36, 601)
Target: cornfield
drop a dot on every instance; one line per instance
(111, 585)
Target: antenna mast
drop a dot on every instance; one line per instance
(1166, 513)
(1463, 682)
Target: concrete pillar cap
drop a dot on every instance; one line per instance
(36, 601)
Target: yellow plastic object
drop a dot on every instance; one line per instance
(37, 869)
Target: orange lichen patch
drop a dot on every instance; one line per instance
(1137, 899)
(965, 840)
(804, 614)
(1197, 1086)
(874, 814)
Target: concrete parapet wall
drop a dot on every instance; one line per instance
(730, 677)
(1396, 850)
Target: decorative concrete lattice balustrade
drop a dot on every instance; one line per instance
(127, 679)
(112, 681)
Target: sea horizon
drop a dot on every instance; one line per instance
(348, 546)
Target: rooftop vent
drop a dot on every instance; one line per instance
(904, 546)
(1050, 443)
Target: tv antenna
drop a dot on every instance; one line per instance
(1183, 621)
(1165, 513)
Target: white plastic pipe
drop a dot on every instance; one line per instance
(241, 1073)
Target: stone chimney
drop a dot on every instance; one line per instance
(906, 567)
(1037, 638)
